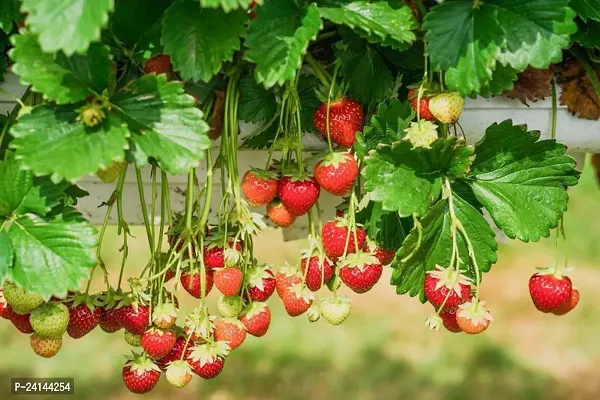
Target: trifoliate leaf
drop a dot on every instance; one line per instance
(6, 254)
(378, 21)
(199, 39)
(164, 123)
(50, 141)
(132, 30)
(368, 79)
(67, 25)
(257, 104)
(227, 5)
(468, 41)
(586, 9)
(522, 180)
(278, 39)
(309, 101)
(430, 244)
(51, 257)
(60, 78)
(9, 11)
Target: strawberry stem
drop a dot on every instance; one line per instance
(140, 185)
(324, 77)
(122, 228)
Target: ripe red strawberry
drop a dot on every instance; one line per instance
(228, 280)
(320, 270)
(259, 187)
(360, 271)
(337, 173)
(159, 64)
(285, 278)
(20, 321)
(3, 306)
(191, 282)
(549, 292)
(110, 319)
(385, 256)
(297, 300)
(140, 375)
(83, 318)
(157, 342)
(44, 347)
(135, 318)
(256, 319)
(346, 117)
(448, 317)
(446, 282)
(280, 215)
(176, 352)
(170, 274)
(261, 284)
(298, 195)
(473, 317)
(422, 109)
(335, 234)
(214, 254)
(568, 306)
(207, 360)
(230, 331)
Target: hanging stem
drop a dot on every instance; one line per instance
(324, 77)
(209, 184)
(189, 200)
(123, 228)
(140, 185)
(554, 109)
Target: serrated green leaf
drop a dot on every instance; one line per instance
(588, 34)
(522, 180)
(378, 21)
(51, 257)
(131, 30)
(468, 42)
(257, 104)
(60, 78)
(67, 25)
(421, 252)
(227, 5)
(262, 138)
(503, 80)
(50, 141)
(164, 123)
(586, 9)
(17, 192)
(9, 11)
(199, 40)
(6, 254)
(278, 39)
(309, 101)
(368, 79)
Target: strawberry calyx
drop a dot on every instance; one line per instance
(300, 291)
(557, 271)
(90, 301)
(164, 313)
(335, 159)
(359, 260)
(421, 133)
(434, 322)
(253, 309)
(207, 353)
(313, 314)
(264, 175)
(450, 278)
(140, 363)
(257, 274)
(475, 311)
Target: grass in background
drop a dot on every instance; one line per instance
(383, 351)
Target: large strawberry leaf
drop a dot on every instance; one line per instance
(9, 11)
(60, 78)
(431, 244)
(50, 141)
(130, 30)
(228, 5)
(278, 39)
(67, 25)
(6, 254)
(586, 9)
(17, 193)
(521, 180)
(256, 103)
(199, 40)
(407, 179)
(468, 41)
(164, 123)
(377, 21)
(51, 257)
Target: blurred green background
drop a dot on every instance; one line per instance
(384, 350)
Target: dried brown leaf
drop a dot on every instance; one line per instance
(532, 84)
(578, 93)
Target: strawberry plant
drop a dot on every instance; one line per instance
(117, 87)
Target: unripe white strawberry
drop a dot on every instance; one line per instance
(447, 107)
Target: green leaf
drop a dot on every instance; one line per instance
(227, 5)
(17, 192)
(521, 180)
(378, 21)
(131, 30)
(586, 9)
(51, 257)
(468, 42)
(257, 104)
(50, 141)
(503, 80)
(263, 137)
(6, 254)
(9, 11)
(199, 40)
(309, 101)
(60, 78)
(368, 79)
(278, 39)
(421, 252)
(164, 123)
(588, 34)
(67, 25)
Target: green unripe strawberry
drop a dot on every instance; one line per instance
(447, 107)
(132, 339)
(335, 309)
(229, 306)
(22, 301)
(50, 320)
